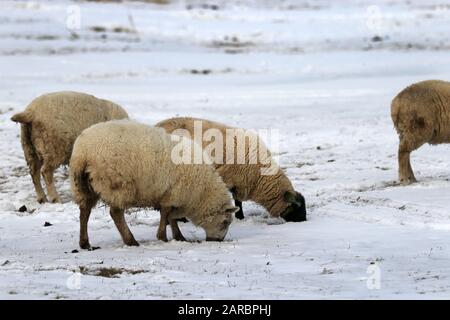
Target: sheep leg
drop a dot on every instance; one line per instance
(85, 212)
(176, 232)
(161, 234)
(405, 172)
(410, 170)
(239, 214)
(35, 172)
(34, 164)
(119, 220)
(47, 173)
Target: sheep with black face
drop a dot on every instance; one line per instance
(273, 191)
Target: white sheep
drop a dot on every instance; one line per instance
(246, 181)
(127, 164)
(421, 114)
(49, 126)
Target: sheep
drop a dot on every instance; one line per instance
(49, 126)
(421, 114)
(245, 180)
(127, 164)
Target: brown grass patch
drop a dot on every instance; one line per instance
(108, 272)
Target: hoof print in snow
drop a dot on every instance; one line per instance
(47, 224)
(75, 251)
(23, 209)
(5, 263)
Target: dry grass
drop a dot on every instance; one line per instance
(108, 272)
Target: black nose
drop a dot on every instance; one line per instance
(296, 216)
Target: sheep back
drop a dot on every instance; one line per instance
(58, 118)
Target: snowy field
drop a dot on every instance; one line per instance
(323, 73)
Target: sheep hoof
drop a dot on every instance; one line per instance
(179, 238)
(55, 200)
(42, 199)
(162, 238)
(85, 245)
(408, 181)
(132, 243)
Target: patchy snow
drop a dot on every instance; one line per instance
(320, 73)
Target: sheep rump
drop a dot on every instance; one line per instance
(421, 114)
(49, 126)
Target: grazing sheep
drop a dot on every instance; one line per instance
(273, 191)
(421, 114)
(127, 164)
(49, 126)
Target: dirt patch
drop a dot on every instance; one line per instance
(203, 6)
(97, 29)
(117, 29)
(122, 30)
(232, 44)
(208, 71)
(383, 168)
(108, 272)
(46, 37)
(39, 37)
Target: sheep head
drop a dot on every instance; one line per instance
(296, 211)
(217, 228)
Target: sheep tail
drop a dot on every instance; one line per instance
(22, 117)
(81, 188)
(395, 111)
(31, 155)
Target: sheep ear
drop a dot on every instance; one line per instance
(289, 197)
(231, 209)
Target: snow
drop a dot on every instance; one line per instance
(311, 70)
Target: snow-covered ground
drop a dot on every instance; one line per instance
(321, 72)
